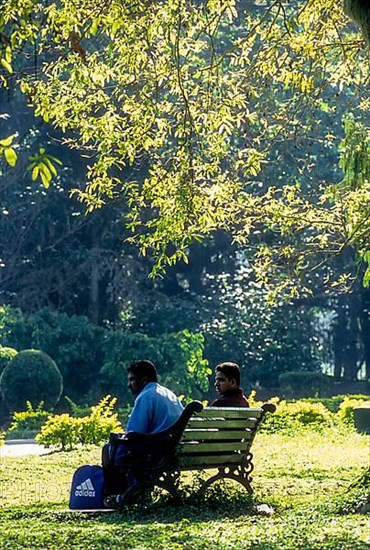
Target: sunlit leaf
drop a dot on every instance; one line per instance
(10, 156)
(7, 141)
(6, 65)
(45, 180)
(35, 173)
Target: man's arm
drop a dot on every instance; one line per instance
(140, 418)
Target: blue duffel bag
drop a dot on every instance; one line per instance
(87, 489)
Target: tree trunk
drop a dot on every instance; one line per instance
(338, 339)
(346, 337)
(365, 328)
(94, 292)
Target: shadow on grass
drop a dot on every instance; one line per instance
(217, 503)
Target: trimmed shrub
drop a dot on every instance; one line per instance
(65, 431)
(345, 413)
(59, 430)
(28, 423)
(303, 384)
(294, 416)
(333, 403)
(31, 376)
(298, 415)
(6, 355)
(96, 427)
(73, 342)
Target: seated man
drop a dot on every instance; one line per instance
(156, 408)
(227, 383)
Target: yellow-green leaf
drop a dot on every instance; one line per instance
(94, 27)
(35, 173)
(6, 65)
(8, 54)
(45, 180)
(50, 166)
(44, 170)
(6, 141)
(10, 156)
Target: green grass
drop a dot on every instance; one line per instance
(302, 477)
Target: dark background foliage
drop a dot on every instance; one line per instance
(72, 286)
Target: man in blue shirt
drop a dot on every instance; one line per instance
(156, 408)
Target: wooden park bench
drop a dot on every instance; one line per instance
(209, 438)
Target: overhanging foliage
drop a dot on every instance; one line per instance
(179, 105)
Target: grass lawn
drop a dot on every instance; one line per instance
(303, 477)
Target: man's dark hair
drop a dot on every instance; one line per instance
(143, 369)
(230, 370)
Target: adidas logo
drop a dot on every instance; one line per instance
(86, 489)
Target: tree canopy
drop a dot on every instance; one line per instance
(179, 106)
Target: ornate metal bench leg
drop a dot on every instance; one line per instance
(167, 482)
(131, 494)
(208, 482)
(240, 473)
(170, 481)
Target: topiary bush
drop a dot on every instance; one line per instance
(73, 342)
(6, 355)
(31, 376)
(303, 384)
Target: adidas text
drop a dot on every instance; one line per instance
(86, 489)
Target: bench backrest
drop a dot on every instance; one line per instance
(218, 437)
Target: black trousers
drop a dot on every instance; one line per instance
(115, 476)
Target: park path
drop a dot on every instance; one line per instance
(21, 447)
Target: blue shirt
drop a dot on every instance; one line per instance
(156, 408)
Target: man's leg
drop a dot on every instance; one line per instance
(115, 481)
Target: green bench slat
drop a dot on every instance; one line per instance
(212, 447)
(230, 412)
(217, 437)
(219, 423)
(208, 461)
(220, 435)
